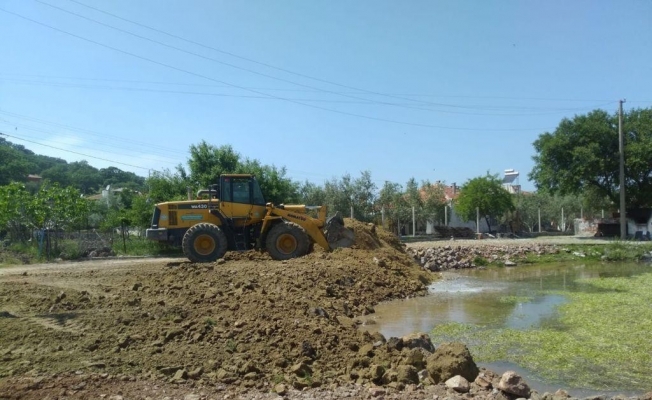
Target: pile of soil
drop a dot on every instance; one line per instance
(246, 321)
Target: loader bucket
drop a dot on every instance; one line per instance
(337, 234)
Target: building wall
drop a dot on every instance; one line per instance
(455, 221)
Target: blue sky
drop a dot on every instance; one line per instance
(438, 90)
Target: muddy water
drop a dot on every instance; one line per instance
(517, 298)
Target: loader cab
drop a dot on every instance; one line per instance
(240, 196)
(242, 189)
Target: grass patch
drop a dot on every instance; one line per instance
(617, 251)
(602, 340)
(480, 261)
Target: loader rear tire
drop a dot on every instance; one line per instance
(287, 240)
(204, 243)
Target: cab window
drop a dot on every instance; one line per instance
(241, 193)
(259, 199)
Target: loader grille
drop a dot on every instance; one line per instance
(173, 217)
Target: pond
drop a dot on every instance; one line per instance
(558, 325)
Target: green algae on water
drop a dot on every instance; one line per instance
(601, 339)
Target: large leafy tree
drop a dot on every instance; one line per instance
(433, 201)
(487, 194)
(582, 154)
(207, 162)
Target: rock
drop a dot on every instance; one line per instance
(458, 384)
(484, 380)
(509, 263)
(415, 358)
(301, 369)
(367, 350)
(172, 334)
(60, 297)
(407, 374)
(280, 389)
(345, 321)
(137, 286)
(116, 397)
(320, 312)
(181, 374)
(195, 373)
(377, 392)
(376, 372)
(512, 383)
(394, 343)
(170, 370)
(307, 350)
(560, 393)
(192, 397)
(451, 359)
(418, 340)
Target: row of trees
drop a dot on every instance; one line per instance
(575, 169)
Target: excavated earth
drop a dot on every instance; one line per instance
(244, 324)
(244, 327)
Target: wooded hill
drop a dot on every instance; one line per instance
(17, 163)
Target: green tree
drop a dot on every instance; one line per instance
(364, 197)
(276, 186)
(487, 194)
(392, 200)
(433, 201)
(167, 185)
(582, 154)
(208, 162)
(14, 166)
(311, 194)
(15, 210)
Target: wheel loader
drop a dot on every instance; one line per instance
(233, 215)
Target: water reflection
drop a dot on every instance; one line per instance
(516, 298)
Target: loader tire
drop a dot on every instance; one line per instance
(204, 243)
(287, 240)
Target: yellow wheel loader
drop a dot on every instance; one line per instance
(235, 216)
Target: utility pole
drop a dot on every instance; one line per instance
(621, 154)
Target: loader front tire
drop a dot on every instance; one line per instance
(204, 243)
(287, 240)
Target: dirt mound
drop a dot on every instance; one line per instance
(369, 237)
(246, 321)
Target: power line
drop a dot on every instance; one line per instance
(74, 152)
(103, 149)
(313, 91)
(237, 56)
(263, 74)
(149, 146)
(229, 64)
(265, 94)
(362, 102)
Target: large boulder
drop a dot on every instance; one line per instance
(407, 374)
(512, 383)
(418, 340)
(451, 359)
